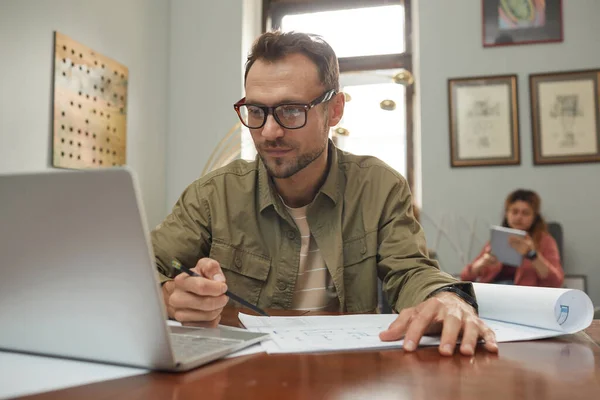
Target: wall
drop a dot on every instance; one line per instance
(133, 32)
(449, 35)
(204, 81)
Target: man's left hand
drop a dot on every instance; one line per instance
(446, 313)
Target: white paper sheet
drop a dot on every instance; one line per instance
(561, 310)
(553, 311)
(324, 333)
(22, 374)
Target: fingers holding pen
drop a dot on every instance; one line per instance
(200, 286)
(181, 299)
(209, 268)
(209, 282)
(198, 295)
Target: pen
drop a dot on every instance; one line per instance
(179, 266)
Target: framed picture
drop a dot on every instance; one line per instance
(483, 121)
(576, 282)
(513, 22)
(565, 117)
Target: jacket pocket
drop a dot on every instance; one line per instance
(246, 273)
(357, 250)
(360, 273)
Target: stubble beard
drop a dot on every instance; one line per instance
(280, 169)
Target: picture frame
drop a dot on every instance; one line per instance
(565, 117)
(533, 21)
(576, 281)
(483, 121)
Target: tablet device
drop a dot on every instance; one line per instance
(501, 249)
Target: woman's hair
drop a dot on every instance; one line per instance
(538, 227)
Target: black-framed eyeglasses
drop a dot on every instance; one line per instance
(289, 116)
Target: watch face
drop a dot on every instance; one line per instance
(532, 255)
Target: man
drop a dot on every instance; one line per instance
(307, 226)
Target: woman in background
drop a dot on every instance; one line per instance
(541, 261)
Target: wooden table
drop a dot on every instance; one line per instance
(563, 368)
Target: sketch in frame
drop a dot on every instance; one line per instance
(516, 22)
(483, 121)
(565, 117)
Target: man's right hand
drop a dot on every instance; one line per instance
(197, 301)
(485, 261)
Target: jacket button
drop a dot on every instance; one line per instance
(363, 250)
(238, 263)
(291, 235)
(282, 286)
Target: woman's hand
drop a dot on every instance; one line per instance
(483, 262)
(522, 245)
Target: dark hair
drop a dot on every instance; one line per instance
(274, 46)
(538, 227)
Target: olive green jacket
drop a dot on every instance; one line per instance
(361, 219)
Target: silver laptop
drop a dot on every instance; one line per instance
(77, 276)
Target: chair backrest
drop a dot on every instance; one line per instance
(556, 231)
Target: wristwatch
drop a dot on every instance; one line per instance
(531, 255)
(460, 293)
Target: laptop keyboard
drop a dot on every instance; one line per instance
(188, 346)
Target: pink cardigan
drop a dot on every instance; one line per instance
(525, 274)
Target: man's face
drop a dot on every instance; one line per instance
(294, 79)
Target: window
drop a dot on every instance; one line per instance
(373, 118)
(381, 29)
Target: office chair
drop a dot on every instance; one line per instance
(556, 231)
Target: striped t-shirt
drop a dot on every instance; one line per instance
(314, 286)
